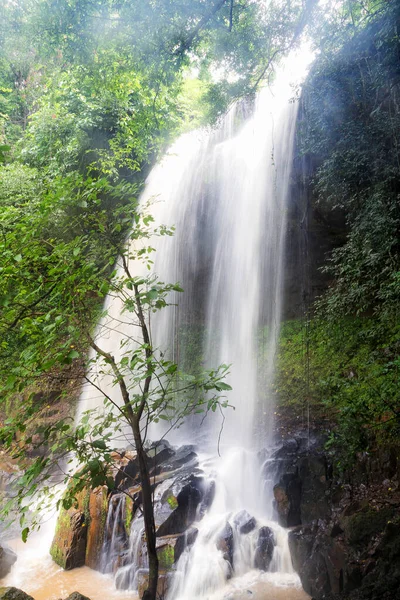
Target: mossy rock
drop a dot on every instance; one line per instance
(364, 525)
(166, 555)
(68, 549)
(12, 593)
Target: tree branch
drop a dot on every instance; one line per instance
(185, 45)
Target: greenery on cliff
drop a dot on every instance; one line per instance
(344, 363)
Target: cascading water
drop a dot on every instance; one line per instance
(226, 193)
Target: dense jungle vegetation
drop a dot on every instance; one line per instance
(350, 339)
(92, 92)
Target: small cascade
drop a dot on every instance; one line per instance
(124, 551)
(115, 542)
(126, 575)
(235, 537)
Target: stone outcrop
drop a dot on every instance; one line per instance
(7, 559)
(162, 584)
(244, 522)
(302, 493)
(345, 537)
(188, 500)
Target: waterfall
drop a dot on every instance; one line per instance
(226, 192)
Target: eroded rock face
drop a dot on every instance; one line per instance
(97, 511)
(12, 593)
(302, 492)
(184, 541)
(349, 547)
(162, 584)
(320, 561)
(7, 559)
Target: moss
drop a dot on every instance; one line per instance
(86, 506)
(56, 551)
(172, 502)
(364, 525)
(128, 513)
(166, 556)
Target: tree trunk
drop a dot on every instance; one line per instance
(148, 513)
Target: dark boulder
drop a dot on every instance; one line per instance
(225, 543)
(184, 515)
(77, 596)
(185, 455)
(68, 548)
(244, 522)
(159, 452)
(7, 559)
(321, 561)
(265, 548)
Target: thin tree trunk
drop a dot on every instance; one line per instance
(148, 513)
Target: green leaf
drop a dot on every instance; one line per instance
(100, 444)
(221, 386)
(24, 534)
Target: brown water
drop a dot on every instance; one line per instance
(36, 574)
(261, 586)
(39, 576)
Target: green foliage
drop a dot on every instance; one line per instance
(48, 306)
(347, 372)
(351, 129)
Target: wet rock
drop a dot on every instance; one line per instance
(314, 485)
(208, 498)
(225, 543)
(7, 559)
(143, 582)
(98, 507)
(159, 452)
(184, 541)
(12, 593)
(321, 561)
(77, 596)
(183, 456)
(184, 515)
(68, 548)
(282, 504)
(265, 548)
(166, 552)
(289, 447)
(244, 522)
(288, 497)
